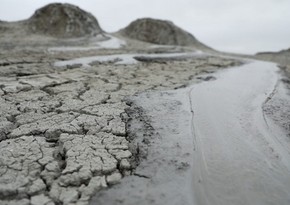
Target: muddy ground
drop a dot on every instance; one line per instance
(64, 130)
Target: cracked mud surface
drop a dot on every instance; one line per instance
(63, 134)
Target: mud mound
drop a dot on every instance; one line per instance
(63, 20)
(159, 32)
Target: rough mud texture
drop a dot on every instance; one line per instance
(63, 131)
(160, 127)
(159, 32)
(63, 20)
(277, 107)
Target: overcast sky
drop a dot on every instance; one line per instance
(244, 26)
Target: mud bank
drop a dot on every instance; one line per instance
(162, 133)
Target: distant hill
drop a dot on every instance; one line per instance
(282, 57)
(160, 32)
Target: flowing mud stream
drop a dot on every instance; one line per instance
(239, 156)
(213, 144)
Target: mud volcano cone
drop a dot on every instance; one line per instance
(159, 32)
(63, 21)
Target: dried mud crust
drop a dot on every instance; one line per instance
(63, 133)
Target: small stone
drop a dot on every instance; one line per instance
(126, 173)
(114, 178)
(125, 164)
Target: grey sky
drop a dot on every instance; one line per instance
(245, 26)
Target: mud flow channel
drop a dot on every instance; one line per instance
(212, 144)
(240, 156)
